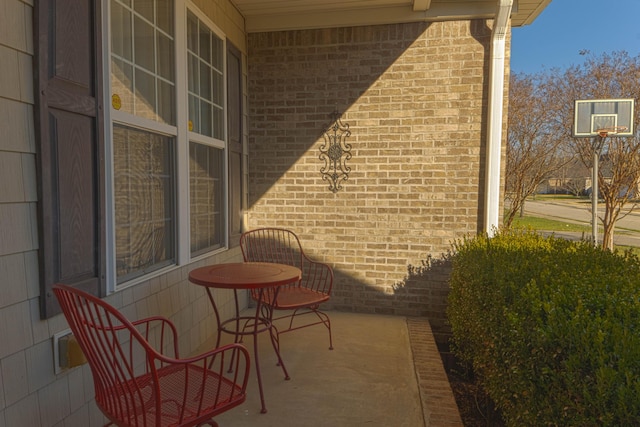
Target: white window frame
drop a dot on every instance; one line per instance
(180, 132)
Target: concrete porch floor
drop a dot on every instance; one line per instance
(383, 371)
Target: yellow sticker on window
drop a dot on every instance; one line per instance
(190, 126)
(116, 102)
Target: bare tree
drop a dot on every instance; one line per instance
(533, 153)
(615, 75)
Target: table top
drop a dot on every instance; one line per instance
(245, 275)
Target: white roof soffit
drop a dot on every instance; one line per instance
(280, 15)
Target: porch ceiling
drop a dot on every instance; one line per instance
(278, 15)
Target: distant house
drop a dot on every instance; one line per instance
(573, 178)
(139, 139)
(576, 178)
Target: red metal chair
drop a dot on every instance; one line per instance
(304, 297)
(139, 385)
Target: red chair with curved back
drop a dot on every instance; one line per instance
(139, 385)
(304, 297)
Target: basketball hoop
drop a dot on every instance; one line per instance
(604, 132)
(603, 117)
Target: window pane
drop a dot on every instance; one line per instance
(205, 189)
(218, 123)
(192, 33)
(205, 44)
(145, 95)
(144, 45)
(218, 88)
(122, 84)
(143, 54)
(194, 80)
(206, 79)
(166, 102)
(121, 31)
(144, 201)
(165, 57)
(194, 114)
(218, 54)
(164, 19)
(144, 8)
(205, 119)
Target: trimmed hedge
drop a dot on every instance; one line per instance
(550, 327)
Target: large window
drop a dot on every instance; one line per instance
(168, 134)
(144, 201)
(206, 123)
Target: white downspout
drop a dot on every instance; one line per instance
(495, 115)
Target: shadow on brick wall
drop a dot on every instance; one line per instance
(422, 293)
(298, 79)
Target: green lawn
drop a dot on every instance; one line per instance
(544, 224)
(548, 224)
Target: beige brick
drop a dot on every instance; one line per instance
(413, 96)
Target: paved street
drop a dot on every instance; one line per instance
(627, 229)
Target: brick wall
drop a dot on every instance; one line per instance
(415, 98)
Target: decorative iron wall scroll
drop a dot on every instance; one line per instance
(335, 152)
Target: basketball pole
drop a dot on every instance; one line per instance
(598, 119)
(598, 143)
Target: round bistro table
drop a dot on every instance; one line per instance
(263, 277)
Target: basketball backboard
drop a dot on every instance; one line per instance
(613, 116)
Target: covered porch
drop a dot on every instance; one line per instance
(383, 371)
(415, 80)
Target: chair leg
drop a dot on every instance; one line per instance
(327, 323)
(322, 316)
(275, 341)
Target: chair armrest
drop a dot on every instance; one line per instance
(160, 333)
(317, 276)
(212, 354)
(203, 384)
(217, 362)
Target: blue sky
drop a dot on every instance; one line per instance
(566, 27)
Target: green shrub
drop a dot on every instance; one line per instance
(550, 327)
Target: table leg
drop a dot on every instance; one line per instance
(215, 310)
(275, 339)
(237, 338)
(262, 320)
(256, 322)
